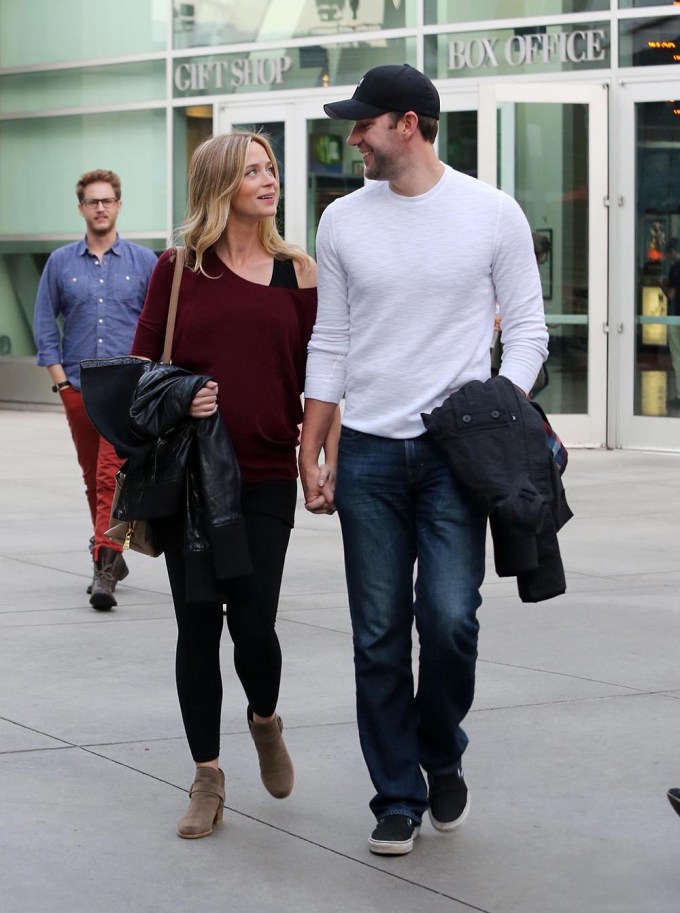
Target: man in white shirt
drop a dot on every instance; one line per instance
(411, 268)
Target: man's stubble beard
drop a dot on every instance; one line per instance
(380, 169)
(103, 229)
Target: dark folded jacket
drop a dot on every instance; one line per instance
(189, 467)
(495, 440)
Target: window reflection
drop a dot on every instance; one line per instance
(657, 353)
(35, 32)
(218, 22)
(551, 185)
(642, 4)
(543, 164)
(441, 12)
(275, 133)
(192, 125)
(650, 42)
(334, 169)
(458, 140)
(143, 80)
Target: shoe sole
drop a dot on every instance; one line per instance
(196, 836)
(102, 603)
(396, 848)
(675, 802)
(89, 589)
(445, 827)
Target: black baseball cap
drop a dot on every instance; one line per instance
(392, 87)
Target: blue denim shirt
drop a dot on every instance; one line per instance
(99, 302)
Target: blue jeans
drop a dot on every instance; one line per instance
(399, 502)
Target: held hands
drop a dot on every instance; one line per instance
(204, 404)
(318, 483)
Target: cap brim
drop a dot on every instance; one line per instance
(352, 110)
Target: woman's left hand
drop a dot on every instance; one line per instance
(321, 494)
(204, 404)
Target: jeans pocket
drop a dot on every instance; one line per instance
(350, 440)
(350, 434)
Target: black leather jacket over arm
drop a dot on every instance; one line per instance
(189, 466)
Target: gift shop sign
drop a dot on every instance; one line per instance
(579, 46)
(231, 74)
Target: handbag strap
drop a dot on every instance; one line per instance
(172, 309)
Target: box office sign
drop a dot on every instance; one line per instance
(538, 48)
(525, 50)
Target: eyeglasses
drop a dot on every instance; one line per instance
(107, 203)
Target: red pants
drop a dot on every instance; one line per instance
(99, 463)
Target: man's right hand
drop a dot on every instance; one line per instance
(318, 485)
(318, 481)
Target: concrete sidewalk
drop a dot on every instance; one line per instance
(573, 735)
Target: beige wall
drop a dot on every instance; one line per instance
(23, 383)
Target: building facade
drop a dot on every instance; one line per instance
(568, 105)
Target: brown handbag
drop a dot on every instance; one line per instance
(131, 534)
(138, 534)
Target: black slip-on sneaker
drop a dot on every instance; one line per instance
(393, 835)
(448, 800)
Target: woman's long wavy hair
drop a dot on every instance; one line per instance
(216, 171)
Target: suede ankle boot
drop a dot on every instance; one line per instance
(206, 806)
(276, 767)
(109, 568)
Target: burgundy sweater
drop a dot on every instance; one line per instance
(252, 339)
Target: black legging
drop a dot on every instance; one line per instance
(251, 601)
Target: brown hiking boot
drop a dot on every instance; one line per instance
(121, 571)
(108, 570)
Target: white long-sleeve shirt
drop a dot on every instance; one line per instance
(408, 288)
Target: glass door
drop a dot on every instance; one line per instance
(546, 145)
(276, 121)
(457, 137)
(316, 164)
(646, 285)
(330, 167)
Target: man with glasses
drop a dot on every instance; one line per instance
(89, 298)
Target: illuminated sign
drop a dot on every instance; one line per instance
(664, 46)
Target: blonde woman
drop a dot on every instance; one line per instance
(246, 310)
